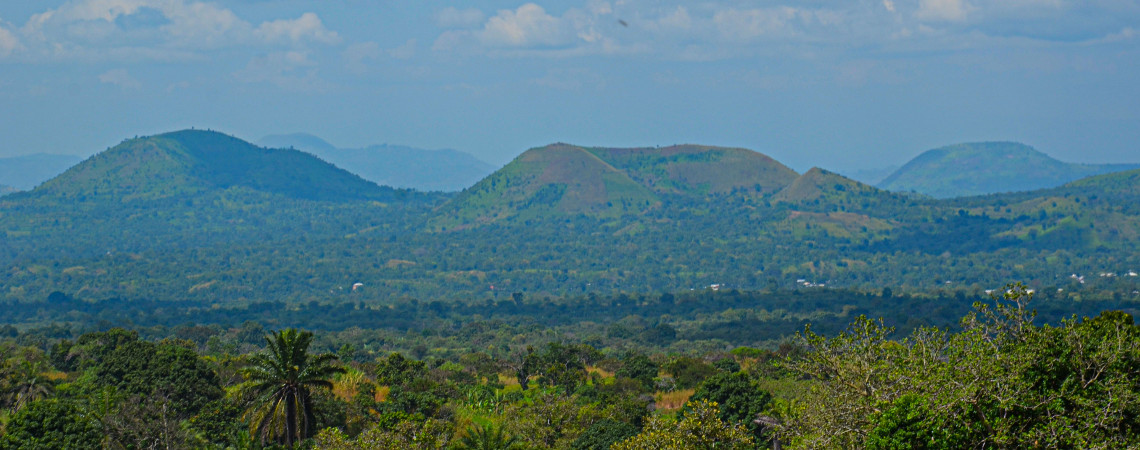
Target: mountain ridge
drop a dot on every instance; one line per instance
(443, 170)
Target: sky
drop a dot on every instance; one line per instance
(839, 84)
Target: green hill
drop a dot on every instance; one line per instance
(699, 170)
(195, 161)
(394, 165)
(988, 168)
(558, 179)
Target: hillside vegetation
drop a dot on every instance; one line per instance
(203, 216)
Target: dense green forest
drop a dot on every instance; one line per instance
(1003, 376)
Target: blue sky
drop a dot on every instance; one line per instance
(841, 84)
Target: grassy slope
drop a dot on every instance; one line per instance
(699, 170)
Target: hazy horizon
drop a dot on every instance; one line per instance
(842, 85)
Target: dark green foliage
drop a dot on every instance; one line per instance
(165, 370)
(640, 368)
(219, 422)
(604, 433)
(689, 372)
(52, 424)
(909, 424)
(738, 398)
(727, 365)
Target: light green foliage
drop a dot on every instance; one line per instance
(1001, 382)
(427, 435)
(22, 376)
(701, 428)
(550, 419)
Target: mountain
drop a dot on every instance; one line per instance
(195, 161)
(988, 168)
(26, 172)
(393, 165)
(5, 190)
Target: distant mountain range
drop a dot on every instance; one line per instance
(201, 215)
(5, 190)
(988, 168)
(26, 172)
(393, 165)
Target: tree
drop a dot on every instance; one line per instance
(639, 367)
(281, 381)
(740, 400)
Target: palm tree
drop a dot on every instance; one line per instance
(488, 438)
(280, 380)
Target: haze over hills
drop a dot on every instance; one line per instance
(393, 165)
(988, 168)
(5, 190)
(204, 216)
(26, 172)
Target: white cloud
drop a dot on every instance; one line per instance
(8, 42)
(889, 5)
(120, 78)
(945, 10)
(527, 26)
(308, 27)
(750, 24)
(452, 17)
(95, 29)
